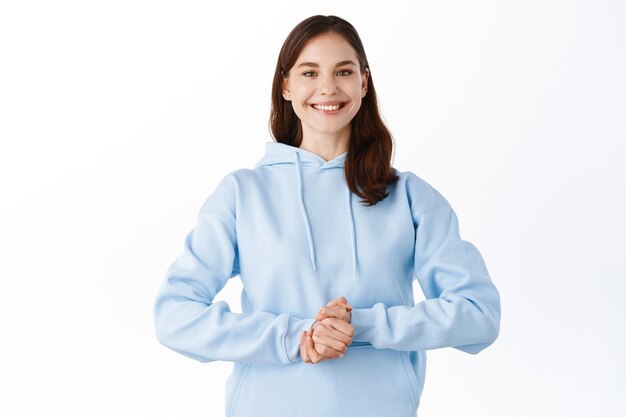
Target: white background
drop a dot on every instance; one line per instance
(118, 118)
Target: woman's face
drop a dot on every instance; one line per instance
(325, 85)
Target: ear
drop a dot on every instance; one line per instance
(285, 88)
(364, 78)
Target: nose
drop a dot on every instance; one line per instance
(328, 84)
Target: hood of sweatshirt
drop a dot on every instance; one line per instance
(298, 159)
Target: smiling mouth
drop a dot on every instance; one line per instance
(328, 107)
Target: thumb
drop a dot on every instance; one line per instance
(339, 301)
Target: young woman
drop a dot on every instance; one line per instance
(327, 238)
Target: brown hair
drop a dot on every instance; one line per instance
(367, 168)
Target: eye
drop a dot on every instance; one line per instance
(308, 72)
(345, 72)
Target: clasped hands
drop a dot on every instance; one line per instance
(330, 335)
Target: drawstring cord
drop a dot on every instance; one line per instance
(307, 224)
(304, 214)
(352, 235)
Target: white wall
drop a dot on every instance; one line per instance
(118, 118)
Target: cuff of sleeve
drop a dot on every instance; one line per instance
(295, 327)
(364, 322)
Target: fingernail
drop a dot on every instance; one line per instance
(340, 355)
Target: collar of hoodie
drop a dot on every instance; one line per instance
(280, 153)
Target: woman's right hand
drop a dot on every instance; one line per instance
(323, 341)
(307, 349)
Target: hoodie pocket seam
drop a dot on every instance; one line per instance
(244, 373)
(410, 376)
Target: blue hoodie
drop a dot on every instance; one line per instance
(298, 238)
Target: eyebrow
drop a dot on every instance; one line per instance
(316, 65)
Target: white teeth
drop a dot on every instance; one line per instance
(327, 108)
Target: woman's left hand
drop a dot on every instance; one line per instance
(339, 308)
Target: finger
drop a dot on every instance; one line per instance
(310, 349)
(303, 349)
(315, 356)
(325, 330)
(330, 347)
(347, 318)
(339, 312)
(334, 340)
(344, 302)
(339, 301)
(339, 325)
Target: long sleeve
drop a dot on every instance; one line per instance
(187, 319)
(462, 306)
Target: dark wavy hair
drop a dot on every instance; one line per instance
(367, 168)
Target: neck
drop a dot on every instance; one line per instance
(326, 146)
